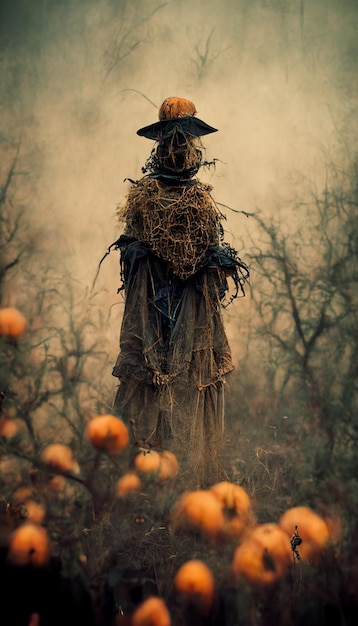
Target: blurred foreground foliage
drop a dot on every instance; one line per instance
(291, 433)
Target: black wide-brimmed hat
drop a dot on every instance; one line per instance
(176, 114)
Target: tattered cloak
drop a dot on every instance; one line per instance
(174, 354)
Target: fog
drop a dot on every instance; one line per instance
(276, 77)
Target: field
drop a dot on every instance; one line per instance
(278, 79)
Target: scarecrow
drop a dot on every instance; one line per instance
(176, 272)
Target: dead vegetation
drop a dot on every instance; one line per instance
(110, 553)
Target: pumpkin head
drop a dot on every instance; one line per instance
(108, 433)
(176, 107)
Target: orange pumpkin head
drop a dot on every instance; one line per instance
(176, 107)
(108, 433)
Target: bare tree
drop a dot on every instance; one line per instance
(125, 39)
(306, 300)
(205, 54)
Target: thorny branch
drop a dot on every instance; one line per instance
(205, 58)
(119, 48)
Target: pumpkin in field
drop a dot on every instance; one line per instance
(35, 512)
(147, 461)
(57, 484)
(169, 466)
(194, 579)
(312, 529)
(127, 483)
(23, 493)
(29, 545)
(34, 619)
(233, 497)
(108, 433)
(12, 322)
(264, 556)
(334, 525)
(164, 463)
(237, 507)
(152, 612)
(8, 428)
(176, 107)
(59, 456)
(200, 510)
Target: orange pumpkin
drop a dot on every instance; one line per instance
(8, 428)
(57, 483)
(127, 483)
(195, 580)
(199, 509)
(108, 433)
(35, 512)
(34, 619)
(147, 461)
(169, 466)
(152, 612)
(264, 556)
(23, 493)
(233, 497)
(12, 322)
(60, 457)
(176, 107)
(237, 507)
(274, 540)
(29, 545)
(312, 529)
(334, 525)
(235, 527)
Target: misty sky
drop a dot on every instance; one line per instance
(277, 78)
